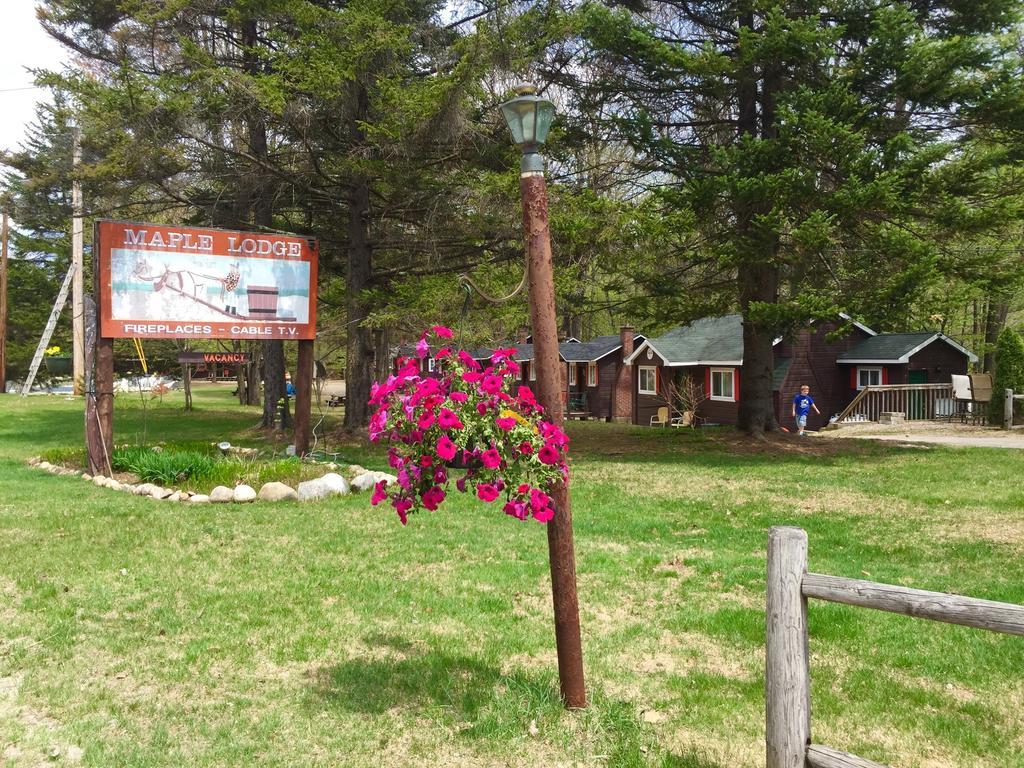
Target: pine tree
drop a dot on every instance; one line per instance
(1009, 373)
(805, 145)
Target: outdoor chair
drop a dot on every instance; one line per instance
(981, 396)
(961, 405)
(660, 419)
(684, 419)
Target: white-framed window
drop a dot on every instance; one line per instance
(648, 381)
(431, 364)
(868, 377)
(533, 370)
(723, 384)
(591, 374)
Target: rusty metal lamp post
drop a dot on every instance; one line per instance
(529, 118)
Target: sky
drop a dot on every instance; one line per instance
(23, 43)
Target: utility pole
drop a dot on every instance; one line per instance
(77, 289)
(3, 304)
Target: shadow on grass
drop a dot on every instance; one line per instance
(481, 702)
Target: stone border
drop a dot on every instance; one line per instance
(329, 484)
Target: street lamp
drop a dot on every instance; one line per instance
(529, 118)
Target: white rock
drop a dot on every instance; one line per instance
(221, 494)
(143, 489)
(176, 496)
(86, 476)
(199, 498)
(34, 460)
(160, 493)
(44, 465)
(99, 481)
(330, 484)
(113, 485)
(243, 494)
(277, 492)
(355, 469)
(367, 480)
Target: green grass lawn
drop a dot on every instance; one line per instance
(139, 633)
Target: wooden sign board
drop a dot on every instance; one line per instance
(207, 358)
(164, 282)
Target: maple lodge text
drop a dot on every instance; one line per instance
(237, 245)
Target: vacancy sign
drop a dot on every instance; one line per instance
(163, 282)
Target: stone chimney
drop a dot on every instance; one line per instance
(622, 394)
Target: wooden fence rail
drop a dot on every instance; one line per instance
(787, 659)
(917, 402)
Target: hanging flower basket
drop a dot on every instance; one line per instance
(59, 365)
(468, 419)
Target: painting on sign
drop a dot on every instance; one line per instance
(190, 283)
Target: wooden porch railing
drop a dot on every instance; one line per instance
(917, 402)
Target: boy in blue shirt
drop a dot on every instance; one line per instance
(802, 404)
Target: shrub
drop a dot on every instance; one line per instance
(164, 467)
(1009, 371)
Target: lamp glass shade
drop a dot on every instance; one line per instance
(529, 118)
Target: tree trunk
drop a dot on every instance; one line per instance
(381, 356)
(758, 274)
(186, 378)
(241, 382)
(360, 350)
(360, 357)
(273, 385)
(253, 373)
(758, 284)
(995, 319)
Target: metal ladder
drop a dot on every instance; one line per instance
(58, 305)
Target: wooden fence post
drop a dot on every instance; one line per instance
(787, 672)
(1007, 408)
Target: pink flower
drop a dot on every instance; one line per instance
(378, 422)
(422, 348)
(502, 354)
(443, 353)
(481, 408)
(426, 460)
(491, 384)
(486, 492)
(468, 361)
(402, 507)
(458, 397)
(461, 484)
(440, 476)
(446, 448)
(539, 500)
(516, 509)
(442, 332)
(447, 419)
(525, 395)
(379, 494)
(491, 459)
(523, 489)
(526, 448)
(543, 515)
(433, 497)
(426, 420)
(548, 455)
(506, 423)
(470, 377)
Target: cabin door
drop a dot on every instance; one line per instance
(915, 398)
